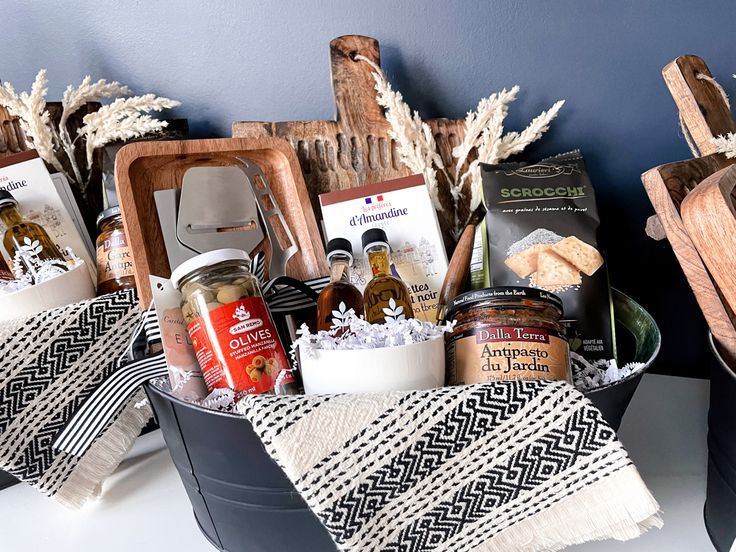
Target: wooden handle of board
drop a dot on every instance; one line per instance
(353, 85)
(458, 271)
(703, 108)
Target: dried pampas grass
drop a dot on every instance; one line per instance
(123, 119)
(484, 142)
(726, 144)
(34, 118)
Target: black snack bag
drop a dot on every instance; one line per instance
(540, 230)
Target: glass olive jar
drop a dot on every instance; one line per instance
(115, 269)
(233, 334)
(507, 333)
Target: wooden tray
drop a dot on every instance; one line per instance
(355, 149)
(142, 168)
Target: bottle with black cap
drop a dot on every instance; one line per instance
(23, 235)
(339, 295)
(385, 297)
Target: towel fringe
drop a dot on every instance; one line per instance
(105, 454)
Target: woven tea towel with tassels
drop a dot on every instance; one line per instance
(50, 364)
(496, 467)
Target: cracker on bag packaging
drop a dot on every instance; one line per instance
(540, 230)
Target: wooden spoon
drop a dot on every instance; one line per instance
(458, 270)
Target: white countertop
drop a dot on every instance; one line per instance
(144, 506)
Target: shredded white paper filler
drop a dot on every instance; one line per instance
(588, 376)
(219, 399)
(353, 332)
(30, 270)
(357, 333)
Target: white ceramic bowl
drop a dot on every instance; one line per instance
(408, 367)
(70, 287)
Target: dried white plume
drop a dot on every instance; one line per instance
(484, 141)
(726, 144)
(415, 143)
(123, 119)
(34, 118)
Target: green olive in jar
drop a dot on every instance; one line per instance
(231, 328)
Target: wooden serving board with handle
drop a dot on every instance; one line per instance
(141, 168)
(710, 219)
(12, 138)
(705, 114)
(667, 186)
(355, 148)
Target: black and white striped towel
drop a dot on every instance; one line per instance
(70, 399)
(497, 467)
(51, 364)
(85, 423)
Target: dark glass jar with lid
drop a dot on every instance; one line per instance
(507, 333)
(115, 269)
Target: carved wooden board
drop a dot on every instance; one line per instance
(701, 105)
(355, 148)
(12, 139)
(705, 114)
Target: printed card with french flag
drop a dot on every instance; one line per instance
(404, 210)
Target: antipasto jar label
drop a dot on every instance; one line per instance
(114, 258)
(237, 347)
(491, 353)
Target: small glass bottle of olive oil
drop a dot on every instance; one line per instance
(339, 295)
(385, 297)
(25, 236)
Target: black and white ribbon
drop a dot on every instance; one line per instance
(97, 411)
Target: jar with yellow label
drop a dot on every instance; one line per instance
(114, 258)
(507, 333)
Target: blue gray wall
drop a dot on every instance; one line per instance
(230, 61)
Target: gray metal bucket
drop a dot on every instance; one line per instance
(243, 502)
(720, 502)
(7, 480)
(638, 340)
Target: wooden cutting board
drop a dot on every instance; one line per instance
(354, 149)
(667, 186)
(705, 115)
(12, 138)
(710, 219)
(141, 168)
